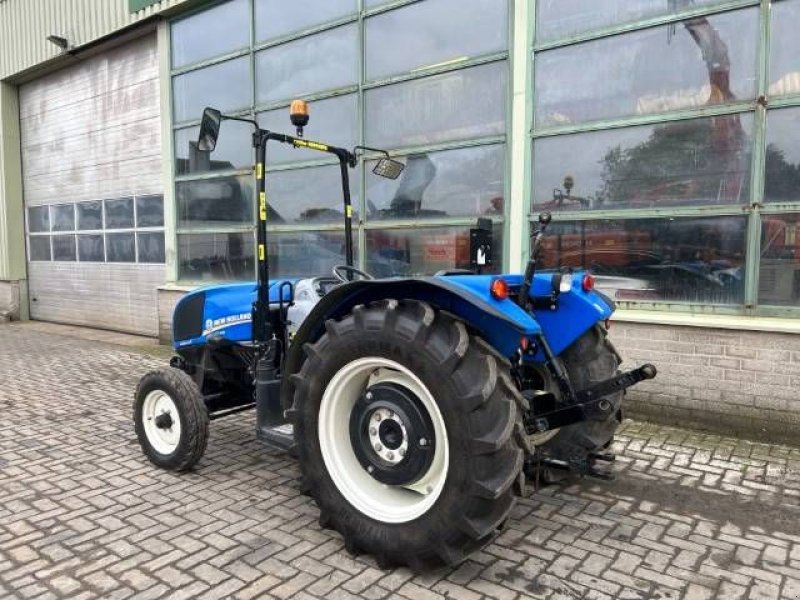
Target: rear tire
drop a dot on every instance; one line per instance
(461, 383)
(170, 419)
(589, 360)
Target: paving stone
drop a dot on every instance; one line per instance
(85, 515)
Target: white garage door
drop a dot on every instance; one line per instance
(91, 155)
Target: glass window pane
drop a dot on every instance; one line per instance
(213, 32)
(334, 121)
(275, 18)
(782, 177)
(309, 195)
(784, 64)
(215, 202)
(452, 106)
(91, 248)
(64, 247)
(216, 256)
(557, 19)
(423, 251)
(453, 183)
(225, 86)
(305, 253)
(90, 215)
(319, 62)
(120, 247)
(151, 247)
(779, 275)
(38, 218)
(693, 162)
(445, 31)
(39, 247)
(150, 211)
(234, 149)
(119, 213)
(63, 216)
(694, 63)
(669, 259)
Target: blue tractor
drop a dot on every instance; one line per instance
(416, 407)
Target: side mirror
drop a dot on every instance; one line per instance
(388, 168)
(209, 130)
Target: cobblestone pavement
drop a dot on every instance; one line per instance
(82, 514)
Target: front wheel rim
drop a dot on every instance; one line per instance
(162, 423)
(380, 501)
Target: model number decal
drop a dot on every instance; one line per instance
(215, 324)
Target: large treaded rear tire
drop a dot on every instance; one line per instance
(589, 360)
(191, 410)
(479, 404)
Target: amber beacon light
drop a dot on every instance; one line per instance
(298, 113)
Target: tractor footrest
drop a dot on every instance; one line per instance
(280, 436)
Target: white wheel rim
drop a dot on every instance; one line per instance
(163, 440)
(382, 502)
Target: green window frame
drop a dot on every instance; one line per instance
(759, 108)
(360, 88)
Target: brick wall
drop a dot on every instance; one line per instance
(744, 383)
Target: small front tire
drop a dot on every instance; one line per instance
(170, 419)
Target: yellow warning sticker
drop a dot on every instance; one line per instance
(262, 206)
(349, 211)
(259, 170)
(261, 252)
(308, 144)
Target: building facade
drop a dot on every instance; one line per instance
(664, 136)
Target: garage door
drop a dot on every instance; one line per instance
(91, 155)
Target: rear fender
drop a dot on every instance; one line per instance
(500, 322)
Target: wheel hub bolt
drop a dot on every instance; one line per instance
(390, 456)
(377, 416)
(402, 452)
(373, 431)
(378, 447)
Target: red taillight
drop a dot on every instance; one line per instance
(499, 289)
(588, 283)
(524, 344)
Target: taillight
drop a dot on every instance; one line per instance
(588, 283)
(499, 289)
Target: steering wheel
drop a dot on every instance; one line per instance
(341, 273)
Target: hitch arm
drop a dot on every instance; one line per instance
(589, 401)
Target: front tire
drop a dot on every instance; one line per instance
(417, 374)
(170, 419)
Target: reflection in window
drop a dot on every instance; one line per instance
(782, 176)
(150, 211)
(234, 149)
(38, 218)
(223, 201)
(120, 247)
(779, 274)
(225, 86)
(452, 106)
(90, 215)
(693, 162)
(784, 63)
(323, 61)
(119, 213)
(422, 251)
(39, 247)
(465, 182)
(673, 260)
(557, 19)
(151, 247)
(445, 32)
(212, 32)
(305, 253)
(216, 256)
(276, 18)
(309, 195)
(63, 216)
(64, 247)
(334, 120)
(698, 62)
(91, 248)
